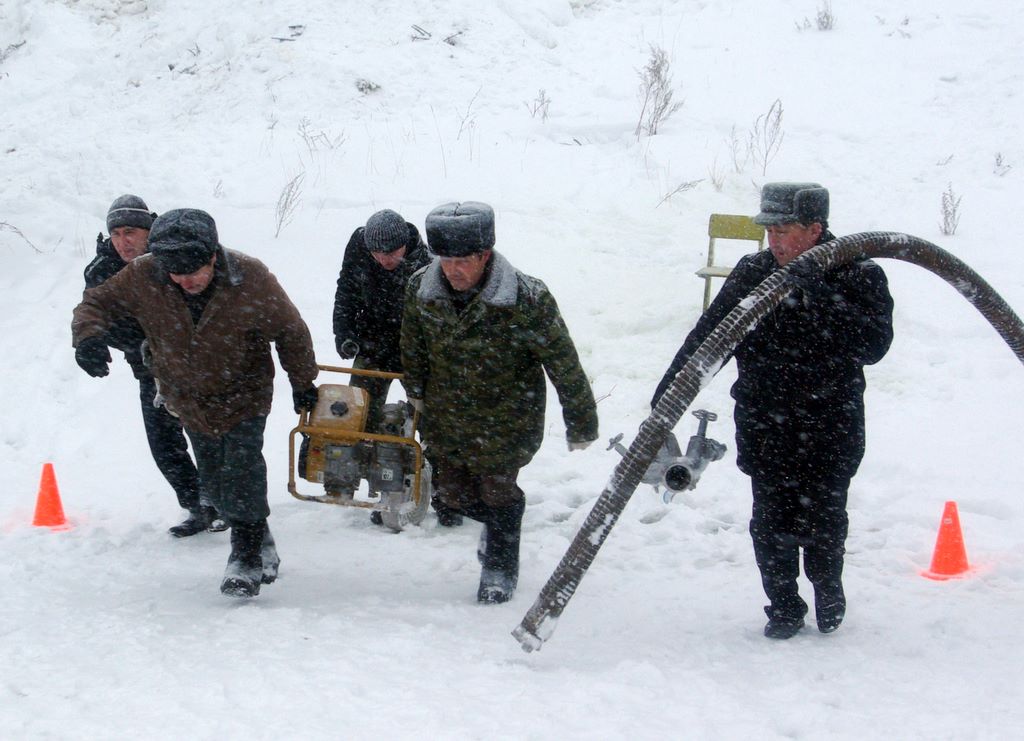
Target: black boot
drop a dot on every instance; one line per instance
(829, 606)
(499, 554)
(198, 520)
(783, 627)
(218, 523)
(446, 516)
(244, 572)
(268, 554)
(496, 586)
(823, 564)
(778, 560)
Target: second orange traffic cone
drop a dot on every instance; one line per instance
(950, 557)
(49, 511)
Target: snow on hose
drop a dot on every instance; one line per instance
(539, 622)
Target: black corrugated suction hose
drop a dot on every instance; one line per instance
(539, 622)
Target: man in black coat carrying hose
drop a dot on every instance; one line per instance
(800, 401)
(128, 222)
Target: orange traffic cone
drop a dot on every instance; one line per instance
(950, 557)
(49, 512)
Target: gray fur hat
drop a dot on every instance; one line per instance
(385, 231)
(460, 229)
(183, 240)
(788, 203)
(129, 210)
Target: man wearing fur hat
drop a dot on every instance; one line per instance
(210, 315)
(478, 337)
(128, 223)
(800, 401)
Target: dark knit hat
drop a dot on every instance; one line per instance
(183, 240)
(385, 231)
(129, 210)
(460, 229)
(787, 203)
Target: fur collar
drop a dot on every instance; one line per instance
(501, 288)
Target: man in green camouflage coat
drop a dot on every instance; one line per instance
(477, 339)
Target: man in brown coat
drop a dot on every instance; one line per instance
(210, 315)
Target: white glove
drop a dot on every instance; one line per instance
(579, 446)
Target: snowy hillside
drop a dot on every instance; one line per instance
(114, 630)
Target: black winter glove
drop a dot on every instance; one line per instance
(305, 400)
(93, 356)
(808, 276)
(347, 349)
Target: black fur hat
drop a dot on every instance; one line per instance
(460, 229)
(787, 203)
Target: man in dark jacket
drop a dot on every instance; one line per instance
(478, 337)
(128, 223)
(210, 315)
(376, 267)
(800, 401)
(375, 270)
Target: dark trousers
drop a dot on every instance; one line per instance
(233, 471)
(789, 515)
(492, 499)
(376, 388)
(168, 446)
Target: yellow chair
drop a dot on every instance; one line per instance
(726, 226)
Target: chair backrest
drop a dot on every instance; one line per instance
(727, 226)
(733, 226)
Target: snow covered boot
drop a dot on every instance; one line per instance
(782, 628)
(217, 522)
(198, 520)
(778, 560)
(823, 564)
(829, 605)
(496, 586)
(446, 516)
(498, 552)
(268, 554)
(244, 572)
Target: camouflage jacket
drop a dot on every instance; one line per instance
(480, 373)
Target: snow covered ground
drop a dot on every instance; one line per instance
(114, 630)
